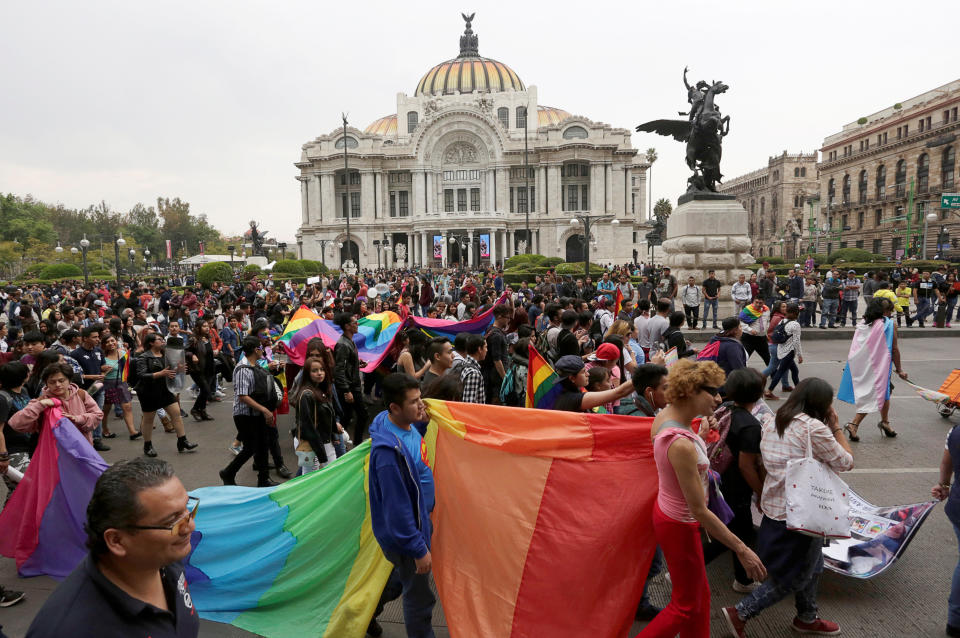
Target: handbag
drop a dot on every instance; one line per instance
(818, 501)
(716, 503)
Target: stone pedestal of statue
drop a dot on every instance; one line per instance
(708, 231)
(257, 260)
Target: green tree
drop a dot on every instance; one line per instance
(662, 209)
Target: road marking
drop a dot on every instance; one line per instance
(895, 470)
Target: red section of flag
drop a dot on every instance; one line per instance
(618, 303)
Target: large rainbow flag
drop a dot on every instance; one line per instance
(450, 329)
(43, 521)
(543, 383)
(866, 375)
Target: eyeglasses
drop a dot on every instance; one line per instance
(193, 504)
(709, 389)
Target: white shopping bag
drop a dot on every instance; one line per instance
(818, 501)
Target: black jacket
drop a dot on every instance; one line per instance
(315, 423)
(346, 372)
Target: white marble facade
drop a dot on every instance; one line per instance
(450, 165)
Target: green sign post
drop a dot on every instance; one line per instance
(950, 200)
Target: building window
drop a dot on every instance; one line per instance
(400, 178)
(895, 245)
(763, 206)
(861, 216)
(877, 246)
(859, 243)
(584, 197)
(921, 123)
(796, 172)
(881, 182)
(474, 199)
(846, 189)
(831, 191)
(521, 199)
(862, 187)
(878, 217)
(946, 167)
(521, 117)
(393, 203)
(901, 178)
(511, 201)
(573, 197)
(575, 132)
(923, 173)
(354, 204)
(461, 199)
(843, 244)
(411, 121)
(844, 223)
(803, 171)
(796, 201)
(404, 204)
(448, 200)
(503, 114)
(517, 172)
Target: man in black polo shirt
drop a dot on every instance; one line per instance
(711, 293)
(131, 584)
(90, 358)
(573, 374)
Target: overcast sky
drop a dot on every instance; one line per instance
(211, 101)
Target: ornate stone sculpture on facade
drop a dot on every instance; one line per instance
(400, 250)
(703, 132)
(485, 104)
(430, 108)
(460, 153)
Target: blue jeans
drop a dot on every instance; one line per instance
(656, 566)
(951, 303)
(924, 309)
(803, 587)
(787, 364)
(953, 603)
(774, 363)
(851, 307)
(418, 599)
(829, 312)
(98, 431)
(707, 304)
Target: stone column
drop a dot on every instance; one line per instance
(503, 195)
(304, 200)
(608, 189)
(410, 245)
(621, 198)
(315, 197)
(596, 188)
(541, 192)
(470, 249)
(328, 197)
(426, 249)
(536, 235)
(378, 195)
(366, 195)
(554, 194)
(428, 200)
(418, 194)
(511, 246)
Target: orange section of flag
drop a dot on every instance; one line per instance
(617, 303)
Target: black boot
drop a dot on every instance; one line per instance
(148, 449)
(227, 477)
(183, 445)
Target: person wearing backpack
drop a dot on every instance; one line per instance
(254, 392)
(786, 336)
(725, 348)
(743, 475)
(777, 315)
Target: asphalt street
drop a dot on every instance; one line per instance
(909, 599)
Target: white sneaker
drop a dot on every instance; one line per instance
(744, 589)
(219, 394)
(236, 449)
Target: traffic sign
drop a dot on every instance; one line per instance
(950, 200)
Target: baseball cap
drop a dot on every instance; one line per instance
(569, 364)
(608, 352)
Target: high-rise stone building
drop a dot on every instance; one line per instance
(442, 180)
(889, 168)
(777, 198)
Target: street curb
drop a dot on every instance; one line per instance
(837, 334)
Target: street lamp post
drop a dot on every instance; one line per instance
(232, 249)
(118, 243)
(146, 259)
(84, 245)
(461, 241)
(587, 221)
(283, 250)
(323, 249)
(346, 189)
(376, 247)
(526, 179)
(931, 217)
(58, 249)
(133, 255)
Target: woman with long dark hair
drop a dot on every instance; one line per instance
(794, 561)
(34, 384)
(316, 419)
(115, 388)
(202, 369)
(152, 392)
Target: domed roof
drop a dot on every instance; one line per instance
(468, 71)
(386, 125)
(548, 116)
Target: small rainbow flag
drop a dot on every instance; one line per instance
(125, 370)
(617, 303)
(543, 384)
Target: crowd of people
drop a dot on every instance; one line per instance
(92, 348)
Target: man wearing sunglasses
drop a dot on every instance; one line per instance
(132, 583)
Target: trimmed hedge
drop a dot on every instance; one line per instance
(292, 266)
(577, 268)
(56, 271)
(250, 271)
(531, 259)
(858, 255)
(214, 271)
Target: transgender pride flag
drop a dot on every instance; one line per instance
(866, 377)
(43, 522)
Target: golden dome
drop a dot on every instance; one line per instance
(467, 75)
(548, 116)
(386, 125)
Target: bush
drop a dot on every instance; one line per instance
(550, 261)
(214, 271)
(856, 255)
(576, 268)
(518, 260)
(290, 266)
(773, 261)
(56, 271)
(101, 272)
(250, 271)
(311, 267)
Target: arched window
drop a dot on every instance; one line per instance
(753, 207)
(763, 206)
(411, 121)
(846, 189)
(831, 190)
(803, 171)
(923, 173)
(521, 118)
(761, 226)
(575, 132)
(947, 163)
(503, 114)
(796, 172)
(351, 143)
(881, 181)
(862, 187)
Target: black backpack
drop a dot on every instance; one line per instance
(779, 334)
(264, 391)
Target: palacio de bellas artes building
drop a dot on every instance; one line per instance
(442, 181)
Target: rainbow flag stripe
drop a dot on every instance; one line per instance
(43, 521)
(524, 481)
(373, 340)
(749, 314)
(450, 329)
(543, 384)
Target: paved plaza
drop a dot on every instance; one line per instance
(908, 600)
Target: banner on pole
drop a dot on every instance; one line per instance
(484, 246)
(169, 250)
